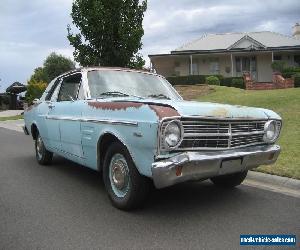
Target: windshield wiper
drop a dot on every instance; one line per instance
(160, 96)
(118, 93)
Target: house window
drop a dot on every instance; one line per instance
(195, 69)
(277, 58)
(244, 63)
(238, 67)
(177, 64)
(297, 59)
(253, 64)
(214, 66)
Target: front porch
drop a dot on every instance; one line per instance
(229, 64)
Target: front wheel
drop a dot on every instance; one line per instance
(43, 156)
(126, 188)
(230, 180)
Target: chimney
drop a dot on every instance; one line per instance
(296, 31)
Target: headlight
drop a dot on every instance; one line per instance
(172, 134)
(272, 130)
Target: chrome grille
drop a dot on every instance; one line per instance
(215, 134)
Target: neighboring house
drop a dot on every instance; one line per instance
(231, 54)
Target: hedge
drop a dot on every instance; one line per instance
(190, 80)
(238, 83)
(297, 81)
(231, 82)
(201, 79)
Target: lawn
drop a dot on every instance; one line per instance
(286, 102)
(16, 117)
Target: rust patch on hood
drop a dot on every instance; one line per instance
(115, 105)
(220, 112)
(164, 111)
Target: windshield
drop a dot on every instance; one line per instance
(124, 83)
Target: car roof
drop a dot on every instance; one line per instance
(99, 68)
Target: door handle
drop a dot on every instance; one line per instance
(51, 106)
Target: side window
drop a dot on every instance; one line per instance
(50, 92)
(69, 88)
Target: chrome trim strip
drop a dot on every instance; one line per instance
(218, 149)
(93, 120)
(223, 134)
(225, 119)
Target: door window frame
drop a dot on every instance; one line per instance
(61, 82)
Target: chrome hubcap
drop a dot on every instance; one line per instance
(119, 175)
(39, 147)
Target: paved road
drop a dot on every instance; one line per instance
(64, 206)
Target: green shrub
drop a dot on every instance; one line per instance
(289, 72)
(297, 81)
(278, 66)
(238, 83)
(212, 80)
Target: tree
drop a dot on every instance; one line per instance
(55, 65)
(110, 32)
(39, 75)
(35, 90)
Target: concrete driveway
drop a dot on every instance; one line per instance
(8, 113)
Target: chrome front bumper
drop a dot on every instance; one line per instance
(203, 165)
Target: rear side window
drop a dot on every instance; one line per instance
(69, 88)
(50, 92)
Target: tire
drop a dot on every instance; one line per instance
(43, 156)
(127, 189)
(230, 180)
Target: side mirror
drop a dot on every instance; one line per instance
(36, 100)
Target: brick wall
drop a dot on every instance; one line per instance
(278, 82)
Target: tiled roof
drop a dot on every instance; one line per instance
(226, 40)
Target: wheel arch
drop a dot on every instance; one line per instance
(103, 143)
(34, 131)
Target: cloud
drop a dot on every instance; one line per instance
(30, 30)
(173, 23)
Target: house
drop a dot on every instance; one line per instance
(231, 54)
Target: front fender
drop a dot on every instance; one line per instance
(140, 141)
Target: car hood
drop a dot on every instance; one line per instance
(212, 110)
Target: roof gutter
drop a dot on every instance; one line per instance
(194, 52)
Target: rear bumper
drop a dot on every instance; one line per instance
(203, 165)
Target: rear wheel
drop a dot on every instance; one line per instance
(126, 187)
(43, 156)
(230, 180)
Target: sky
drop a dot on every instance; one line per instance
(31, 30)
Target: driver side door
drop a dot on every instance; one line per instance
(68, 111)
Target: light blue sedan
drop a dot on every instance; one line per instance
(136, 129)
